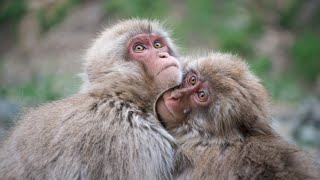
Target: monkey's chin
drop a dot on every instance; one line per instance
(169, 77)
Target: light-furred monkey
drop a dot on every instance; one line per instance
(219, 117)
(108, 131)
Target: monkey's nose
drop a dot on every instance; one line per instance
(180, 93)
(175, 95)
(163, 55)
(183, 92)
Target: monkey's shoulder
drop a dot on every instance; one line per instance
(87, 108)
(110, 111)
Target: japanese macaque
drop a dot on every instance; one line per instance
(108, 130)
(219, 117)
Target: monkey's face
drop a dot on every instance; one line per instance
(153, 52)
(193, 95)
(139, 51)
(218, 94)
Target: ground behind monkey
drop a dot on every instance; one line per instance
(221, 120)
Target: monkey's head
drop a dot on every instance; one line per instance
(219, 96)
(137, 52)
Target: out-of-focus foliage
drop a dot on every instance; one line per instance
(39, 89)
(261, 66)
(300, 19)
(300, 14)
(280, 39)
(11, 10)
(49, 17)
(306, 56)
(217, 22)
(288, 15)
(282, 87)
(11, 14)
(136, 8)
(228, 26)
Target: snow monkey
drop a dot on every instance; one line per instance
(219, 117)
(108, 130)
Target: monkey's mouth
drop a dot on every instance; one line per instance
(169, 114)
(166, 67)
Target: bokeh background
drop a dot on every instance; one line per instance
(43, 41)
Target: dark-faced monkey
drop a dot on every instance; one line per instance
(108, 131)
(219, 116)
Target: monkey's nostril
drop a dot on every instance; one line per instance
(163, 55)
(175, 95)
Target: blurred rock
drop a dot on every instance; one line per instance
(307, 128)
(8, 110)
(300, 123)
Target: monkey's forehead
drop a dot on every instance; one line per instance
(217, 67)
(133, 27)
(215, 63)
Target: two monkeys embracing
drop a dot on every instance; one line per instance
(145, 112)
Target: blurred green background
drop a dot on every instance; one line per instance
(43, 41)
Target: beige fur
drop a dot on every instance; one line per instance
(107, 131)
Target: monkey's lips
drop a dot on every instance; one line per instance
(163, 111)
(169, 67)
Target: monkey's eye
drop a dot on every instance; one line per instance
(157, 44)
(138, 47)
(192, 80)
(202, 95)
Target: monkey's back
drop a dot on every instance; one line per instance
(86, 137)
(258, 157)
